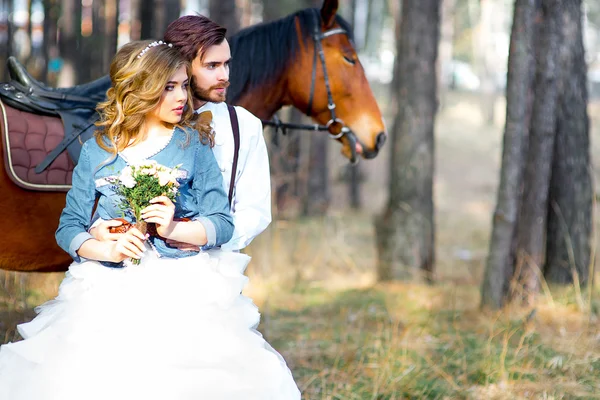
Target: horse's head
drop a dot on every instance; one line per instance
(328, 82)
(308, 60)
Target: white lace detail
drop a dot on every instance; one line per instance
(146, 149)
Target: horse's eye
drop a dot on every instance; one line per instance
(349, 60)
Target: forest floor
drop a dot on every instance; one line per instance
(345, 336)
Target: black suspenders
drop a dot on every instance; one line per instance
(235, 127)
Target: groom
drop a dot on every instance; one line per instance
(203, 44)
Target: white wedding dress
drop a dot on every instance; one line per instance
(168, 329)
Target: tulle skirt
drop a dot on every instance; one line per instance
(168, 329)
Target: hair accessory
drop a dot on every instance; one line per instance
(151, 45)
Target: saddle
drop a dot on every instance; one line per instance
(27, 139)
(26, 99)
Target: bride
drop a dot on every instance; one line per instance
(174, 324)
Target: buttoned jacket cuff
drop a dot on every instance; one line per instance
(211, 231)
(76, 243)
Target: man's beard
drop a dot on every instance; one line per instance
(210, 94)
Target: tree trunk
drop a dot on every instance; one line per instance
(570, 213)
(375, 24)
(354, 183)
(111, 21)
(96, 43)
(531, 231)
(287, 162)
(500, 260)
(70, 42)
(396, 9)
(160, 19)
(147, 9)
(154, 17)
(350, 12)
(49, 44)
(224, 13)
(172, 12)
(30, 29)
(405, 230)
(136, 19)
(10, 31)
(360, 23)
(316, 200)
(271, 10)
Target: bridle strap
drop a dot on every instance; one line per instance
(318, 36)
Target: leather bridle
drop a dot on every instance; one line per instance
(334, 121)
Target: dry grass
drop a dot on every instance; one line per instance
(400, 341)
(347, 337)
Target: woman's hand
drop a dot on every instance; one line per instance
(161, 212)
(129, 245)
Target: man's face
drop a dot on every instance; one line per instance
(211, 74)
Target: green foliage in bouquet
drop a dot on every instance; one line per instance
(140, 183)
(146, 188)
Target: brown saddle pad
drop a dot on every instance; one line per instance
(26, 140)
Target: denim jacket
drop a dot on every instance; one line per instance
(201, 195)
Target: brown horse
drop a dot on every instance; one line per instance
(306, 59)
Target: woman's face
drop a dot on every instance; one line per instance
(170, 108)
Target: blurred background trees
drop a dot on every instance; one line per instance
(423, 59)
(486, 188)
(405, 230)
(543, 218)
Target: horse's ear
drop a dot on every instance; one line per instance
(328, 11)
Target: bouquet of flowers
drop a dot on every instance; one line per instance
(139, 183)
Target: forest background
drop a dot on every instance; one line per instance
(358, 307)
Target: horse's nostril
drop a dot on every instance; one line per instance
(380, 141)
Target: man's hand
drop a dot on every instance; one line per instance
(101, 231)
(182, 246)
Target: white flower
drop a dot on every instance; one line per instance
(126, 177)
(146, 167)
(149, 170)
(174, 175)
(164, 177)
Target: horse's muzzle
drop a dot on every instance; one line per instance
(379, 142)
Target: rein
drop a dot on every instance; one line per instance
(318, 36)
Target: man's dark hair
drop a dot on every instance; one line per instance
(193, 35)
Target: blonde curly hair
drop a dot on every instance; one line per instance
(138, 83)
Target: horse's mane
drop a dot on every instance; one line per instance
(271, 46)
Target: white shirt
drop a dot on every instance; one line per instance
(251, 205)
